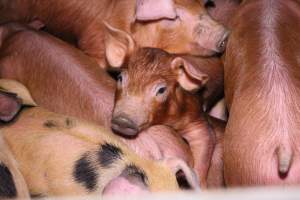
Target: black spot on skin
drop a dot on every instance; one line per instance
(50, 124)
(108, 154)
(135, 174)
(7, 185)
(85, 173)
(69, 123)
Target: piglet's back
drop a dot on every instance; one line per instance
(56, 73)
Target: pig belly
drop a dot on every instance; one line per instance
(251, 162)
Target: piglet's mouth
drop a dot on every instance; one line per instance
(199, 50)
(124, 127)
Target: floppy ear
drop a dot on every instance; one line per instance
(186, 177)
(149, 10)
(131, 180)
(188, 75)
(20, 91)
(10, 105)
(118, 44)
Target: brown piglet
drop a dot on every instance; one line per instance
(262, 67)
(59, 76)
(155, 87)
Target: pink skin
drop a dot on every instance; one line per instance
(158, 142)
(261, 141)
(122, 186)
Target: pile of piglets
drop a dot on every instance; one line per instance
(125, 97)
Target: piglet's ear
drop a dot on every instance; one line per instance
(12, 86)
(130, 181)
(186, 177)
(9, 106)
(118, 44)
(148, 10)
(188, 75)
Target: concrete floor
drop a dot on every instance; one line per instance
(265, 193)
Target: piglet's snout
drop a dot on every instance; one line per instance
(223, 42)
(121, 124)
(211, 35)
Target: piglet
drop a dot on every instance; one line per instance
(60, 155)
(59, 76)
(156, 87)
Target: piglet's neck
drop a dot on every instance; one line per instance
(196, 129)
(187, 108)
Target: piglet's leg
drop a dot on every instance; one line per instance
(202, 142)
(215, 177)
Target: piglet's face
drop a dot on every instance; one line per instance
(150, 89)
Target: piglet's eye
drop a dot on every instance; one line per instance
(161, 90)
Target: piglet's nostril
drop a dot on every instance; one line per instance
(124, 126)
(223, 42)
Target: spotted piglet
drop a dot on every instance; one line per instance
(61, 155)
(12, 184)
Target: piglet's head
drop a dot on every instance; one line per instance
(151, 85)
(181, 26)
